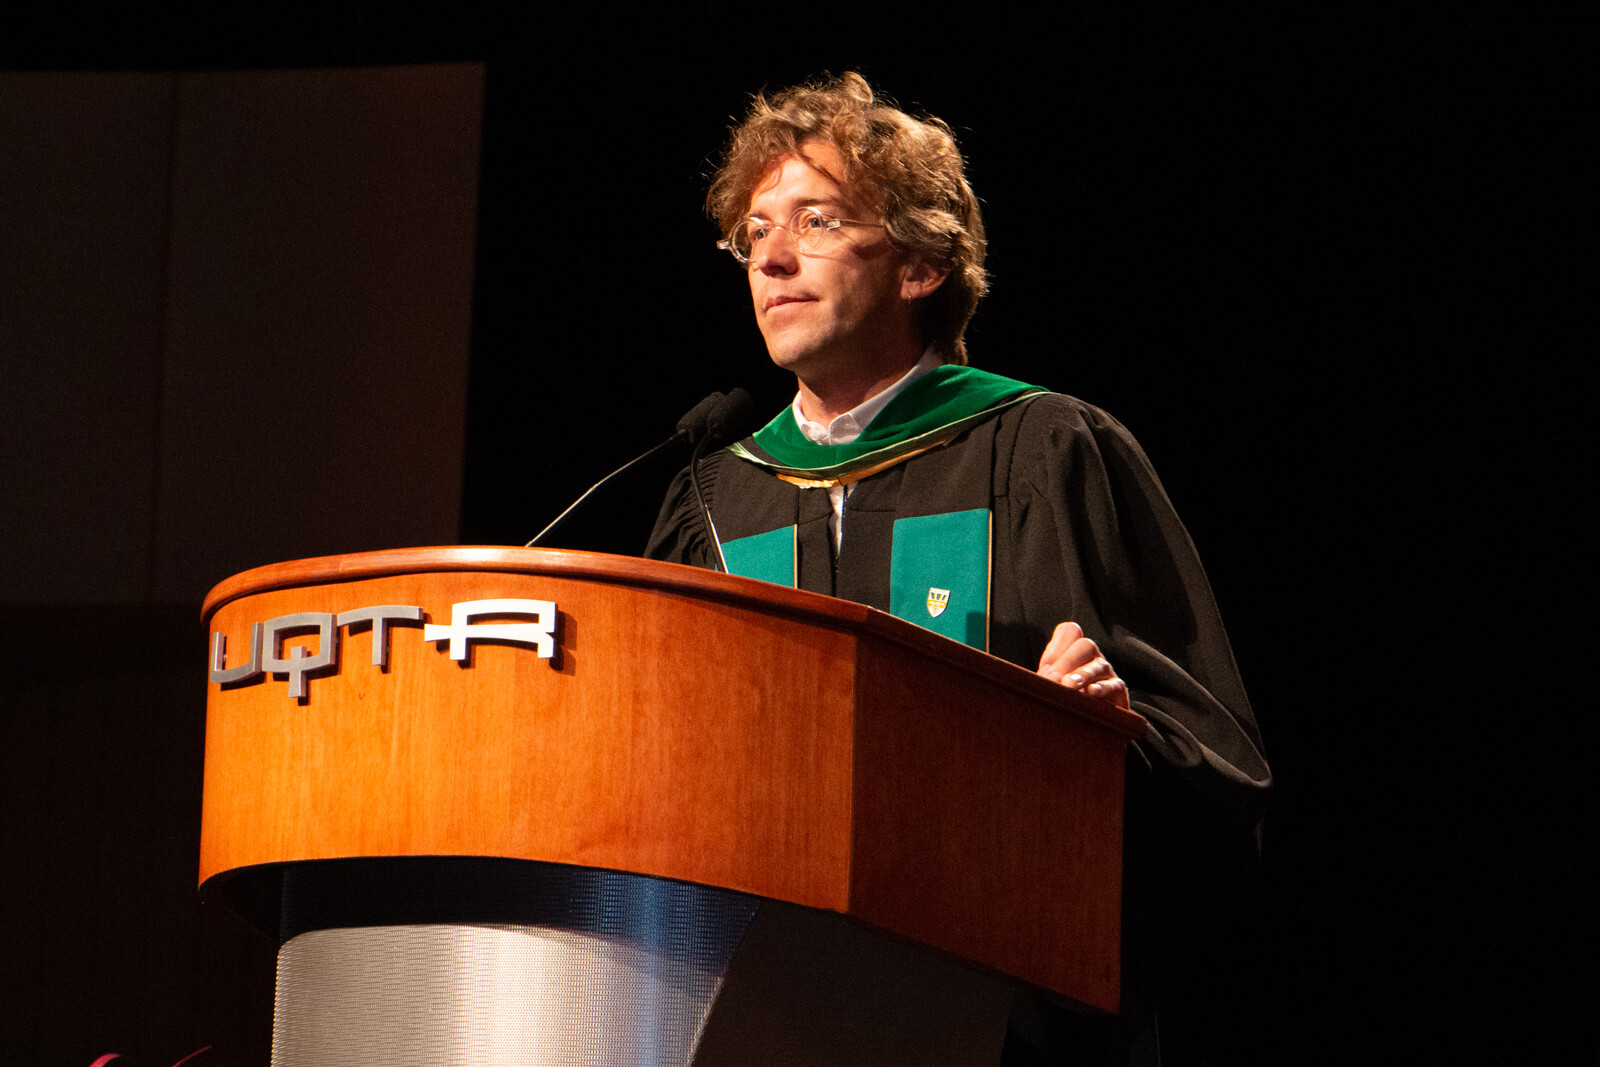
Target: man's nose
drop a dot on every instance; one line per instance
(777, 252)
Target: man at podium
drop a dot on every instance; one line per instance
(1023, 522)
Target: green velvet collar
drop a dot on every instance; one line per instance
(931, 410)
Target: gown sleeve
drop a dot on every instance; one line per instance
(680, 533)
(1095, 540)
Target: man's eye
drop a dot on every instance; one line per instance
(756, 231)
(813, 221)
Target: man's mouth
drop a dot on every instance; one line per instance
(779, 301)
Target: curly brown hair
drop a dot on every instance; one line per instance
(911, 168)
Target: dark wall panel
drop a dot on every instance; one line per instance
(322, 243)
(83, 213)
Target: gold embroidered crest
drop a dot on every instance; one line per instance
(938, 600)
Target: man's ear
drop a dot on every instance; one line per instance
(918, 279)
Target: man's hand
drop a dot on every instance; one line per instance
(1075, 661)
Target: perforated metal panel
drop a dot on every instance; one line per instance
(622, 970)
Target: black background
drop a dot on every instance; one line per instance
(1306, 260)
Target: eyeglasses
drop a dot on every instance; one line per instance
(808, 227)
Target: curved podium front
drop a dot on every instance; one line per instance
(509, 805)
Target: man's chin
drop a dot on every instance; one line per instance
(791, 357)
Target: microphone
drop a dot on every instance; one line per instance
(718, 417)
(697, 420)
(732, 415)
(714, 418)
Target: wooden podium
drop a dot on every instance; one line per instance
(553, 713)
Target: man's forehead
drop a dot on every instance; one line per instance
(817, 177)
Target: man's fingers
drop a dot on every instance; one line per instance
(1065, 634)
(1075, 661)
(1114, 690)
(1068, 650)
(1095, 670)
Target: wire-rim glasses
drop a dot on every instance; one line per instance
(807, 227)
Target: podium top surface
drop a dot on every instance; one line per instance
(797, 604)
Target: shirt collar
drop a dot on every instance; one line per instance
(847, 427)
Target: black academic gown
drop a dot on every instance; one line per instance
(1082, 531)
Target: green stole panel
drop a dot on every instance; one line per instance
(938, 570)
(768, 557)
(939, 574)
